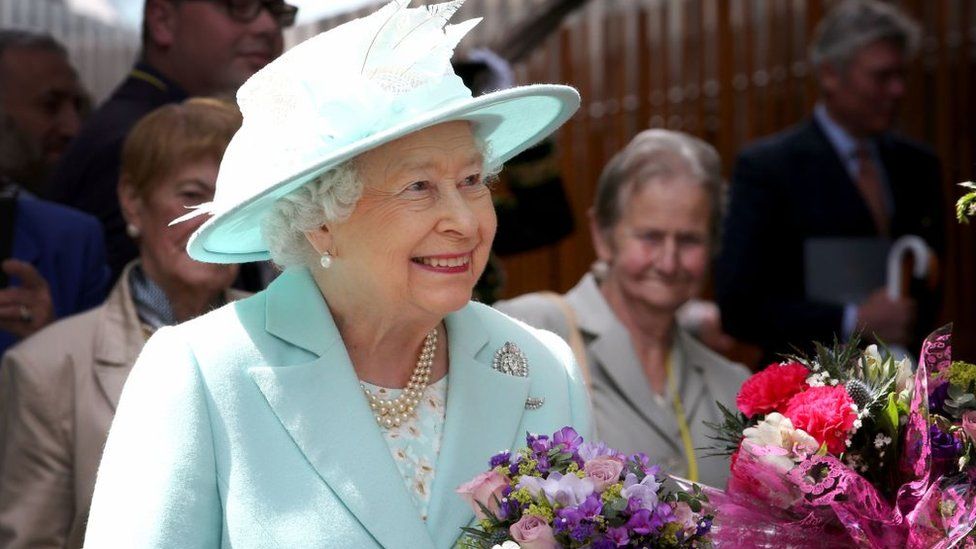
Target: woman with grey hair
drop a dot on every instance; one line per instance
(654, 224)
(345, 404)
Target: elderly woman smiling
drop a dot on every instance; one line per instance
(654, 224)
(344, 405)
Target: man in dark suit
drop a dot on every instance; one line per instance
(841, 173)
(190, 48)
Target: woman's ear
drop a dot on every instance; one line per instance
(320, 238)
(601, 239)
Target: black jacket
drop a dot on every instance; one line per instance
(791, 187)
(88, 174)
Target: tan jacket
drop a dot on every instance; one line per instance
(627, 415)
(58, 393)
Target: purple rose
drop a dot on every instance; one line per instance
(531, 532)
(603, 471)
(569, 438)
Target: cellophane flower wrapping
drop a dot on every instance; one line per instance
(862, 452)
(560, 491)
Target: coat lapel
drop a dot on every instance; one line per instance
(321, 405)
(118, 340)
(484, 411)
(613, 353)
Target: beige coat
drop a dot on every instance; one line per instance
(58, 393)
(627, 414)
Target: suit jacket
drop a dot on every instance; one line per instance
(791, 187)
(626, 413)
(67, 248)
(247, 427)
(88, 174)
(58, 393)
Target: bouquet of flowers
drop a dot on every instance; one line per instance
(844, 445)
(560, 491)
(966, 205)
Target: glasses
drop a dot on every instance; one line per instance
(245, 11)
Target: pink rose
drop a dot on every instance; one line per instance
(531, 532)
(603, 471)
(969, 424)
(485, 489)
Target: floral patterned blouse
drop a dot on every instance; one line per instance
(416, 443)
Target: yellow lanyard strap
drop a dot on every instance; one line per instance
(679, 414)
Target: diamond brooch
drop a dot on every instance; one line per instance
(510, 360)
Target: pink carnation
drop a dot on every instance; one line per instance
(485, 489)
(532, 532)
(826, 413)
(770, 389)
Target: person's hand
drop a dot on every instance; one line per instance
(891, 321)
(27, 308)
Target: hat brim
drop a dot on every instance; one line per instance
(510, 121)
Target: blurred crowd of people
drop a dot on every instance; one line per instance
(92, 268)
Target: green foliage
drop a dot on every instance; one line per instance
(966, 206)
(728, 433)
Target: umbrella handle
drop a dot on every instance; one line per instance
(920, 251)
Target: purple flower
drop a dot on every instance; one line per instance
(582, 532)
(634, 505)
(567, 490)
(663, 514)
(640, 522)
(530, 483)
(944, 445)
(937, 398)
(645, 490)
(602, 542)
(567, 519)
(589, 451)
(501, 458)
(539, 444)
(569, 438)
(644, 462)
(591, 507)
(618, 535)
(704, 527)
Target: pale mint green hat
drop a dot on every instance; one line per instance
(346, 91)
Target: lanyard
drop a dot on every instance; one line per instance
(679, 414)
(148, 78)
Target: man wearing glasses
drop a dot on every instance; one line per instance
(190, 48)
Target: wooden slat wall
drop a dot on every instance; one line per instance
(731, 71)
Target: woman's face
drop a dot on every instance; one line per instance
(659, 250)
(162, 248)
(419, 237)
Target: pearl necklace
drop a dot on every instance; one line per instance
(391, 413)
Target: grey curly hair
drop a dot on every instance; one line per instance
(331, 197)
(857, 23)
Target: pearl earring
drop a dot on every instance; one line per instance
(132, 230)
(326, 260)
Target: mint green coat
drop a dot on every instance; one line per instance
(247, 427)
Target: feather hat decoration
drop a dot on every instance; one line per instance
(350, 89)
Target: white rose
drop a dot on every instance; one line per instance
(775, 442)
(507, 545)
